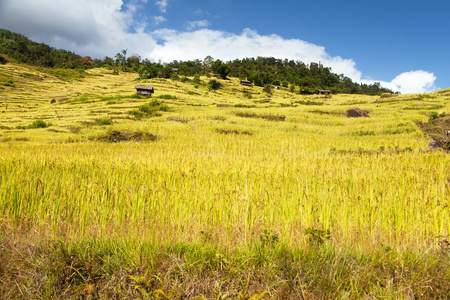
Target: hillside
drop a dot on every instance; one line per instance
(22, 49)
(261, 71)
(227, 194)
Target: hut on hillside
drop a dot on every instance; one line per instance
(323, 92)
(144, 90)
(246, 83)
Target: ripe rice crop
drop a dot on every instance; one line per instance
(316, 206)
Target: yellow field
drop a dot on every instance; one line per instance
(223, 198)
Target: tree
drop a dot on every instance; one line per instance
(214, 85)
(134, 61)
(121, 57)
(207, 62)
(220, 68)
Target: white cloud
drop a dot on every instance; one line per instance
(197, 24)
(415, 82)
(88, 27)
(409, 82)
(162, 5)
(104, 27)
(227, 46)
(158, 19)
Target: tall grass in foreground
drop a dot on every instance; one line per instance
(208, 202)
(170, 192)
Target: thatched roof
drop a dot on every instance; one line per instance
(144, 87)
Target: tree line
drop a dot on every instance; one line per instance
(261, 71)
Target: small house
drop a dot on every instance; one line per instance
(323, 92)
(144, 90)
(175, 71)
(246, 83)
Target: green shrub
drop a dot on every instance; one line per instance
(214, 85)
(244, 105)
(308, 102)
(434, 115)
(9, 82)
(268, 89)
(104, 121)
(196, 79)
(166, 96)
(38, 124)
(137, 114)
(150, 109)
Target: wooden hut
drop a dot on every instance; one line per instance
(323, 92)
(246, 83)
(144, 90)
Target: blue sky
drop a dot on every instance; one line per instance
(402, 44)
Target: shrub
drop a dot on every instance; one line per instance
(104, 121)
(434, 115)
(150, 109)
(196, 79)
(166, 96)
(214, 85)
(9, 82)
(309, 102)
(137, 114)
(244, 105)
(38, 124)
(268, 89)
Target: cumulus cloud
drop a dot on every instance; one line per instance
(200, 43)
(227, 46)
(415, 82)
(89, 27)
(162, 5)
(409, 82)
(197, 24)
(104, 27)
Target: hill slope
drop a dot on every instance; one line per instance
(298, 76)
(216, 194)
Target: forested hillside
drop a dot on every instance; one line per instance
(19, 47)
(261, 71)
